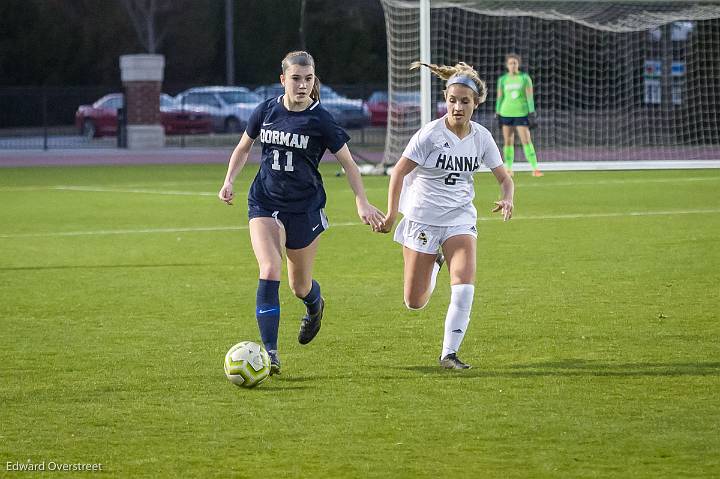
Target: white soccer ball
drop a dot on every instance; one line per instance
(247, 364)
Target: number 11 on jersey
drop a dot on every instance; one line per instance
(288, 161)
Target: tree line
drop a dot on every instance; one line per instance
(79, 42)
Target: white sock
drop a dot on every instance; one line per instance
(433, 277)
(458, 317)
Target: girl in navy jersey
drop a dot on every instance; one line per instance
(432, 186)
(287, 198)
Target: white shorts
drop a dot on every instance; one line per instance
(427, 238)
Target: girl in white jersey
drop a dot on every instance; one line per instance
(432, 186)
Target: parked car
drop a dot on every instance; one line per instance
(101, 118)
(229, 107)
(378, 106)
(348, 112)
(270, 91)
(407, 106)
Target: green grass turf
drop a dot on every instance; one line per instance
(594, 336)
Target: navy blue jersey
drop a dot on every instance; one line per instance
(292, 144)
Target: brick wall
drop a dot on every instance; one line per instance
(143, 102)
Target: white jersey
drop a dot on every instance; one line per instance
(440, 190)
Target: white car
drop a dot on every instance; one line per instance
(348, 112)
(230, 107)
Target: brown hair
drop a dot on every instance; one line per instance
(445, 72)
(303, 59)
(515, 56)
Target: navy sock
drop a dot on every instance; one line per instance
(312, 300)
(267, 312)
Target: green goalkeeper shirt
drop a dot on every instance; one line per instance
(514, 102)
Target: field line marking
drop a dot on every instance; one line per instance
(571, 216)
(244, 227)
(101, 189)
(189, 229)
(141, 189)
(629, 181)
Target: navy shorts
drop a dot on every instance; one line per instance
(301, 229)
(514, 120)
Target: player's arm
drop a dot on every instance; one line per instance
(401, 169)
(499, 98)
(237, 161)
(507, 189)
(529, 94)
(367, 212)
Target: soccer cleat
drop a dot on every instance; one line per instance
(451, 361)
(310, 324)
(274, 362)
(537, 173)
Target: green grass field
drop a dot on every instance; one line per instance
(594, 336)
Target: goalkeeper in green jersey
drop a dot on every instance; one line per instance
(515, 109)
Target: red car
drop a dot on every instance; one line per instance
(378, 106)
(407, 107)
(100, 118)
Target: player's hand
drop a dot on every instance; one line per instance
(387, 224)
(370, 215)
(505, 207)
(226, 193)
(532, 120)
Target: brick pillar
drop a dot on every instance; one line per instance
(142, 76)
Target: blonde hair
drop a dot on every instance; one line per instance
(445, 72)
(302, 58)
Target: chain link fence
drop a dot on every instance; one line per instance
(91, 117)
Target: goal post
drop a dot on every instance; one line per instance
(613, 80)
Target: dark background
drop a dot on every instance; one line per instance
(79, 42)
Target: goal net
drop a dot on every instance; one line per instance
(612, 80)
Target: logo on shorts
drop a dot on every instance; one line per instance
(422, 238)
(473, 229)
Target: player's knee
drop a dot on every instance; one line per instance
(270, 271)
(415, 303)
(300, 289)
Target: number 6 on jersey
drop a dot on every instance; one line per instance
(452, 178)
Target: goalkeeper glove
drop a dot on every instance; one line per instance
(532, 120)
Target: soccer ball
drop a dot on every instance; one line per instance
(247, 364)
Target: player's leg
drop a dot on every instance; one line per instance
(528, 148)
(508, 147)
(422, 260)
(301, 247)
(460, 254)
(300, 277)
(267, 237)
(420, 277)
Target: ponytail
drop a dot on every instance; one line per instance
(445, 72)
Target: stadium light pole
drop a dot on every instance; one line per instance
(302, 25)
(425, 85)
(229, 44)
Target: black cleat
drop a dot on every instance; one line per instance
(310, 324)
(274, 362)
(451, 361)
